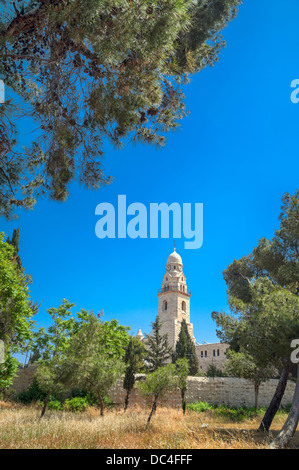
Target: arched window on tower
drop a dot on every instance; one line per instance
(184, 306)
(164, 305)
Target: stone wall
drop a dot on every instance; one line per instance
(233, 391)
(227, 390)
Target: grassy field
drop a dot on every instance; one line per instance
(21, 429)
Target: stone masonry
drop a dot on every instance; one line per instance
(211, 354)
(229, 391)
(174, 300)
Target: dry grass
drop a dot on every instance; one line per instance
(20, 428)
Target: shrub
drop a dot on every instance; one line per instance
(286, 408)
(54, 405)
(91, 398)
(76, 404)
(214, 372)
(33, 394)
(238, 414)
(200, 373)
(233, 414)
(200, 407)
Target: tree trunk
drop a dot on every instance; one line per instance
(101, 403)
(126, 401)
(289, 428)
(45, 405)
(183, 401)
(153, 410)
(276, 400)
(256, 395)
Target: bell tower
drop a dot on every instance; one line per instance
(174, 300)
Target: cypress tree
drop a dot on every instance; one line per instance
(15, 243)
(134, 355)
(159, 351)
(185, 348)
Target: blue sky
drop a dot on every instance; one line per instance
(237, 153)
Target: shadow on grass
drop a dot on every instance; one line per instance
(250, 436)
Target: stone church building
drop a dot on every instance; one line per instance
(174, 307)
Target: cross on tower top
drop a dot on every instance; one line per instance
(174, 248)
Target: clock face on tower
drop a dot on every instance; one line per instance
(168, 267)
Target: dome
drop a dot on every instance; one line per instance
(140, 334)
(174, 258)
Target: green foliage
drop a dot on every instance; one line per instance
(200, 407)
(263, 295)
(91, 397)
(276, 260)
(182, 372)
(55, 405)
(237, 415)
(240, 364)
(15, 243)
(200, 373)
(185, 347)
(283, 262)
(96, 356)
(228, 413)
(8, 372)
(33, 394)
(158, 349)
(134, 360)
(76, 404)
(159, 382)
(214, 372)
(286, 408)
(91, 71)
(15, 311)
(52, 346)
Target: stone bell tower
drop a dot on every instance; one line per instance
(174, 300)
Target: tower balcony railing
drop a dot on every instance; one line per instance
(173, 289)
